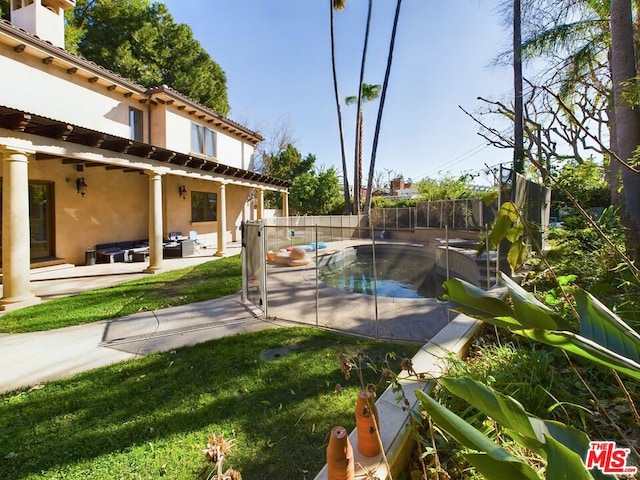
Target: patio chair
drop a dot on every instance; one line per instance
(193, 235)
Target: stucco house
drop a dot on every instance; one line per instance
(89, 158)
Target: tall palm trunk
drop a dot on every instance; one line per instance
(614, 170)
(376, 135)
(518, 129)
(627, 122)
(345, 173)
(357, 186)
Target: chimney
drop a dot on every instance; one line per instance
(43, 18)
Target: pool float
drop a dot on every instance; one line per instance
(311, 247)
(298, 256)
(292, 257)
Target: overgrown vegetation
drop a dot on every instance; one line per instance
(568, 369)
(152, 417)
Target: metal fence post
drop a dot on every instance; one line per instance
(317, 274)
(453, 216)
(487, 252)
(262, 229)
(375, 282)
(466, 214)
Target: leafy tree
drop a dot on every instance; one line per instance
(578, 43)
(314, 194)
(4, 9)
(139, 40)
(311, 192)
(446, 188)
(288, 163)
(586, 184)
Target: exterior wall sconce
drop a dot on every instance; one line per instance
(81, 186)
(182, 191)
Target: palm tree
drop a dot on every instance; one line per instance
(339, 5)
(587, 40)
(518, 130)
(358, 148)
(623, 69)
(367, 93)
(383, 95)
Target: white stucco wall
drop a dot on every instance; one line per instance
(230, 149)
(51, 92)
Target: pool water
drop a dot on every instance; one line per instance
(398, 275)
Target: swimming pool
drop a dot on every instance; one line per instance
(402, 271)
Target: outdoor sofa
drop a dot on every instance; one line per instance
(120, 251)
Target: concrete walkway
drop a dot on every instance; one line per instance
(28, 359)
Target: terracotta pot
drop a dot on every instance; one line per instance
(340, 462)
(366, 421)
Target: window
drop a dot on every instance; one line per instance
(17, 4)
(204, 207)
(135, 122)
(203, 140)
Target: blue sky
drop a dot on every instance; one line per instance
(276, 55)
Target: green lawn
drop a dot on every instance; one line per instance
(198, 283)
(151, 418)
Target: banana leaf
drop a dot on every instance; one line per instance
(585, 348)
(530, 312)
(494, 462)
(564, 464)
(529, 431)
(604, 327)
(475, 302)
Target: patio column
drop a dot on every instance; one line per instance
(260, 204)
(285, 204)
(221, 215)
(16, 243)
(155, 222)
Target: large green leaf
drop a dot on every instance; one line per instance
(515, 232)
(564, 464)
(509, 210)
(517, 254)
(527, 430)
(497, 463)
(576, 440)
(474, 301)
(529, 311)
(505, 410)
(604, 327)
(586, 349)
(500, 228)
(496, 470)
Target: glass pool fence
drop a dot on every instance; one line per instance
(378, 278)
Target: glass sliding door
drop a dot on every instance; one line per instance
(41, 219)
